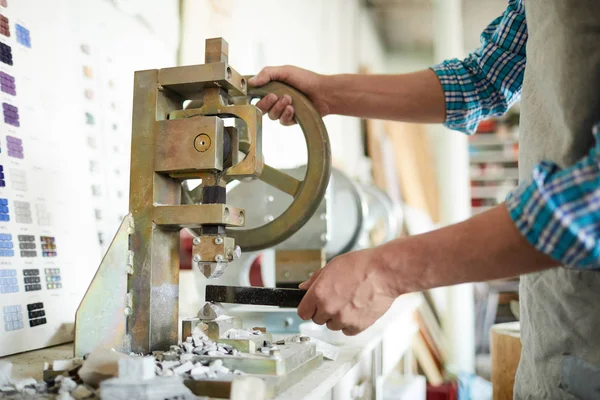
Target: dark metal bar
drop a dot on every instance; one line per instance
(254, 295)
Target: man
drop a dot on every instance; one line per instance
(548, 229)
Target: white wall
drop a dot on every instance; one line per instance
(334, 36)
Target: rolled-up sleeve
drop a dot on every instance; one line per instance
(558, 210)
(490, 79)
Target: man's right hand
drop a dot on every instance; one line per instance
(282, 109)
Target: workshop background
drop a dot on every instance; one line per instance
(66, 73)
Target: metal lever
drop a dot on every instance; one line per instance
(255, 295)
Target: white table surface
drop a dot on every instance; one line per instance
(313, 386)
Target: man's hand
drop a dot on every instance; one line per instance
(355, 289)
(305, 81)
(348, 294)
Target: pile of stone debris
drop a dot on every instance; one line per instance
(112, 375)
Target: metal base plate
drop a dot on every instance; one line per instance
(274, 384)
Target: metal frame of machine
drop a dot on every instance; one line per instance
(132, 302)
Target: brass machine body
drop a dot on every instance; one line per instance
(132, 302)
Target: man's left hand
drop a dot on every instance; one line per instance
(350, 293)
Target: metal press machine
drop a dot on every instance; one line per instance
(132, 302)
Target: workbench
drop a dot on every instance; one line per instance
(360, 366)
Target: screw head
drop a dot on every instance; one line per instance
(219, 240)
(219, 257)
(196, 241)
(128, 311)
(197, 258)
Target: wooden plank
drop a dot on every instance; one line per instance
(415, 166)
(506, 353)
(433, 349)
(426, 361)
(435, 330)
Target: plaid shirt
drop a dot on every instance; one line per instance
(558, 210)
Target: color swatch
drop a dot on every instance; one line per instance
(53, 278)
(4, 26)
(6, 54)
(48, 246)
(27, 246)
(31, 278)
(8, 281)
(6, 245)
(23, 213)
(23, 36)
(11, 114)
(15, 147)
(36, 314)
(18, 179)
(7, 84)
(4, 216)
(13, 317)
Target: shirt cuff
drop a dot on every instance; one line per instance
(542, 210)
(461, 115)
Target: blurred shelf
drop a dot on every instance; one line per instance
(489, 192)
(493, 156)
(490, 139)
(506, 174)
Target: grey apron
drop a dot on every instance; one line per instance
(560, 308)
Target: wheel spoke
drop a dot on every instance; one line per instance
(280, 180)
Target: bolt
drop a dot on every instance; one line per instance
(128, 311)
(219, 240)
(197, 258)
(323, 217)
(269, 218)
(196, 241)
(219, 257)
(270, 199)
(323, 237)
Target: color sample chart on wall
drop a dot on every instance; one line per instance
(66, 93)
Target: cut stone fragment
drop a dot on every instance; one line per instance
(100, 364)
(82, 392)
(187, 347)
(5, 373)
(215, 365)
(67, 385)
(199, 370)
(136, 368)
(23, 383)
(182, 369)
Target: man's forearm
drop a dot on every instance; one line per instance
(414, 97)
(485, 247)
